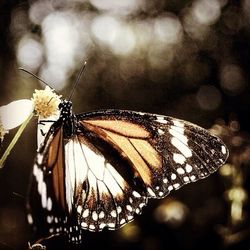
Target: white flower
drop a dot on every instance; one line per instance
(46, 102)
(15, 113)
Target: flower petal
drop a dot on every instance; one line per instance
(15, 113)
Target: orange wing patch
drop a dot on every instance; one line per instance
(56, 162)
(128, 149)
(147, 152)
(54, 149)
(132, 140)
(121, 127)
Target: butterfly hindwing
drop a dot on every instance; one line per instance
(103, 198)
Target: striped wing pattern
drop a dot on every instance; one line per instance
(104, 173)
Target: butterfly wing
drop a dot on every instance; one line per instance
(48, 211)
(103, 174)
(101, 183)
(131, 156)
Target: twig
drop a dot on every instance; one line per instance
(14, 140)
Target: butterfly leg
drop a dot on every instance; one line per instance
(43, 122)
(43, 127)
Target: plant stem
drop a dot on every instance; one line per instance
(14, 140)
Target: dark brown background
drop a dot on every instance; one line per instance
(190, 85)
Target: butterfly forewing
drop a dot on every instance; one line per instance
(101, 174)
(164, 152)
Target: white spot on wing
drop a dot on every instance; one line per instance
(161, 119)
(113, 213)
(44, 194)
(122, 221)
(129, 208)
(188, 168)
(94, 216)
(84, 225)
(101, 215)
(111, 225)
(173, 176)
(30, 219)
(223, 149)
(178, 123)
(136, 194)
(180, 171)
(85, 213)
(179, 134)
(42, 189)
(179, 158)
(119, 209)
(79, 209)
(142, 205)
(192, 178)
(151, 192)
(160, 131)
(184, 149)
(49, 219)
(39, 158)
(130, 217)
(49, 204)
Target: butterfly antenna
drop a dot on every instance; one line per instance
(77, 80)
(28, 72)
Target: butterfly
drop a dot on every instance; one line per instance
(98, 169)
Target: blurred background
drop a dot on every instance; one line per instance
(184, 58)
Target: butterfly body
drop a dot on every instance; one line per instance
(67, 118)
(97, 170)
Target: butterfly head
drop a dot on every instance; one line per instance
(65, 109)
